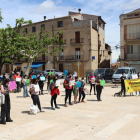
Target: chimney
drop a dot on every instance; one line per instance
(44, 18)
(79, 11)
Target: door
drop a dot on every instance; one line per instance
(61, 67)
(81, 69)
(7, 68)
(61, 55)
(77, 53)
(43, 57)
(77, 37)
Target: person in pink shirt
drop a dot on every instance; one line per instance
(92, 82)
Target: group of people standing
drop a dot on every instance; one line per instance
(54, 91)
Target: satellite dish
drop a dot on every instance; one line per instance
(49, 62)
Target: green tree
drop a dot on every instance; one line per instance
(10, 39)
(119, 59)
(15, 45)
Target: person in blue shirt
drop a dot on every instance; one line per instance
(75, 90)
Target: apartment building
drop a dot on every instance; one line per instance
(84, 42)
(130, 39)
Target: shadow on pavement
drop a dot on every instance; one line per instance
(46, 107)
(60, 104)
(26, 112)
(91, 100)
(20, 97)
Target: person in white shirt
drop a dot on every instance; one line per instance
(34, 94)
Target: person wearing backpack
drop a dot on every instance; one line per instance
(25, 87)
(5, 108)
(81, 91)
(68, 89)
(54, 92)
(34, 94)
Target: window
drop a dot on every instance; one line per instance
(136, 14)
(129, 49)
(119, 71)
(103, 53)
(61, 55)
(34, 29)
(60, 24)
(100, 24)
(103, 26)
(43, 27)
(25, 30)
(103, 41)
(77, 53)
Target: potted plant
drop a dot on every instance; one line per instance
(100, 54)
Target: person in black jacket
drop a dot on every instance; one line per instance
(122, 78)
(41, 83)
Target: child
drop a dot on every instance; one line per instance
(75, 91)
(81, 91)
(54, 91)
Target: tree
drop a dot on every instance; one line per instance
(119, 59)
(10, 39)
(15, 45)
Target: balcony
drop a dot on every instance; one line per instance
(40, 59)
(132, 36)
(133, 56)
(78, 41)
(69, 58)
(94, 25)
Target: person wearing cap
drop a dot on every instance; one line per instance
(98, 88)
(17, 82)
(68, 89)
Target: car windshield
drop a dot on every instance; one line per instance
(99, 71)
(120, 71)
(56, 71)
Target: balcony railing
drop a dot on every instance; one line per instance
(133, 56)
(77, 41)
(132, 36)
(70, 58)
(40, 58)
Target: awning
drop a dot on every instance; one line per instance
(36, 65)
(17, 63)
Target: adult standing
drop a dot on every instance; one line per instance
(11, 76)
(41, 83)
(25, 87)
(48, 76)
(34, 94)
(15, 70)
(81, 91)
(98, 88)
(5, 108)
(21, 73)
(54, 92)
(68, 89)
(15, 79)
(92, 83)
(122, 78)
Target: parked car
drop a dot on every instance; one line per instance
(36, 71)
(105, 73)
(129, 71)
(56, 72)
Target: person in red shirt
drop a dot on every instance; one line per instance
(92, 83)
(68, 89)
(15, 79)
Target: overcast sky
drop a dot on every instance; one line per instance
(35, 10)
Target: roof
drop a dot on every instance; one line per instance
(135, 11)
(115, 63)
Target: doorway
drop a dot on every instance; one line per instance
(61, 67)
(77, 37)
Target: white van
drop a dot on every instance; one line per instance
(129, 71)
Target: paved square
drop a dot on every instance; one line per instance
(115, 118)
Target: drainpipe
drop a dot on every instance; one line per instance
(53, 45)
(98, 42)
